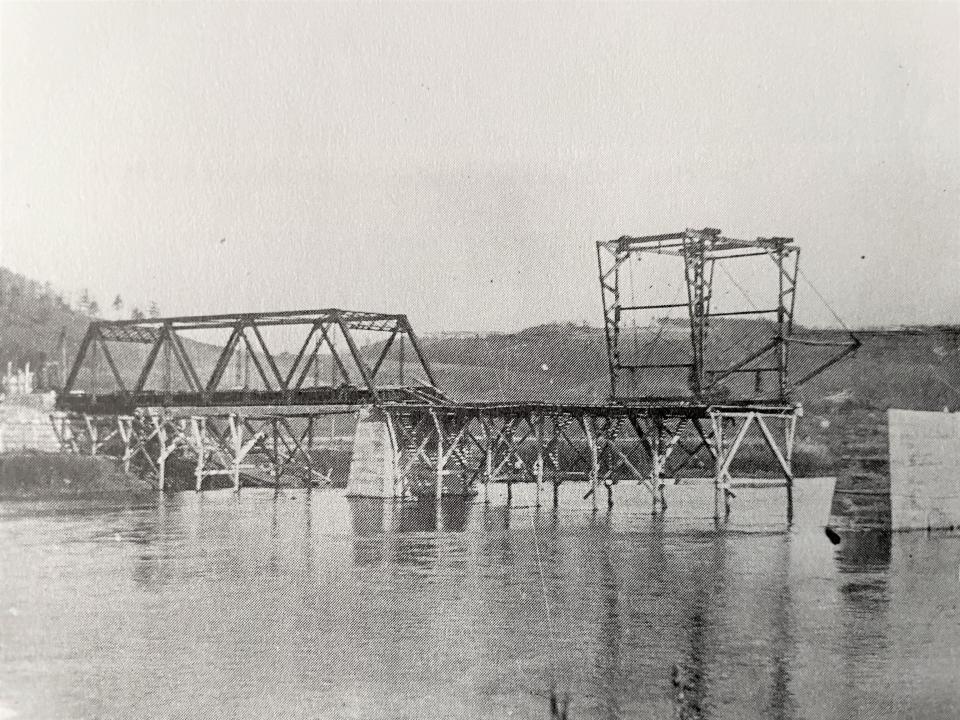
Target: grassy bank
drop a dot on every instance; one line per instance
(30, 475)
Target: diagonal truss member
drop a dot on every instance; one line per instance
(357, 374)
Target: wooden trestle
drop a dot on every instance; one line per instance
(453, 448)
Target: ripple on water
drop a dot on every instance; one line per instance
(316, 606)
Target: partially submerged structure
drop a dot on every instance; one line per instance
(147, 389)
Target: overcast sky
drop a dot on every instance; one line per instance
(458, 162)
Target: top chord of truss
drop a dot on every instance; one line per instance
(714, 244)
(326, 356)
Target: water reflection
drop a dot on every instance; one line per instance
(375, 516)
(863, 552)
(467, 610)
(394, 531)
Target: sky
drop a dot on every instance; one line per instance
(458, 162)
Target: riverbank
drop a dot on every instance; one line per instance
(30, 475)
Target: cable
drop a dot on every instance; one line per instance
(823, 300)
(663, 326)
(737, 341)
(734, 281)
(936, 376)
(546, 601)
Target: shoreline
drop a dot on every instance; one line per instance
(37, 475)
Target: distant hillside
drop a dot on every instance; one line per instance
(567, 362)
(32, 318)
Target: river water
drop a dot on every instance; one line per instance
(297, 605)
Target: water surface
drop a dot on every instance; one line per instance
(301, 605)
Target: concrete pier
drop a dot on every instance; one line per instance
(924, 470)
(903, 474)
(374, 467)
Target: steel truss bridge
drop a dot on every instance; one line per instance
(213, 392)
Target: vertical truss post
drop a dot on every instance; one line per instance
(698, 298)
(610, 297)
(781, 326)
(167, 359)
(787, 285)
(95, 364)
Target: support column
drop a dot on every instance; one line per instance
(783, 461)
(589, 431)
(719, 456)
(726, 456)
(441, 458)
(538, 463)
(198, 426)
(162, 455)
(553, 453)
(310, 453)
(377, 467)
(236, 438)
(274, 456)
(94, 432)
(488, 459)
(125, 426)
(656, 468)
(609, 443)
(790, 431)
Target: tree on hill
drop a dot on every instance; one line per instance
(118, 306)
(154, 310)
(136, 314)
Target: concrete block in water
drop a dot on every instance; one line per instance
(903, 474)
(374, 467)
(924, 469)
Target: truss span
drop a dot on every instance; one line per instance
(295, 358)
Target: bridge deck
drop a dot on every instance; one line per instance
(327, 401)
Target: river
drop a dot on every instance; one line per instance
(297, 605)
